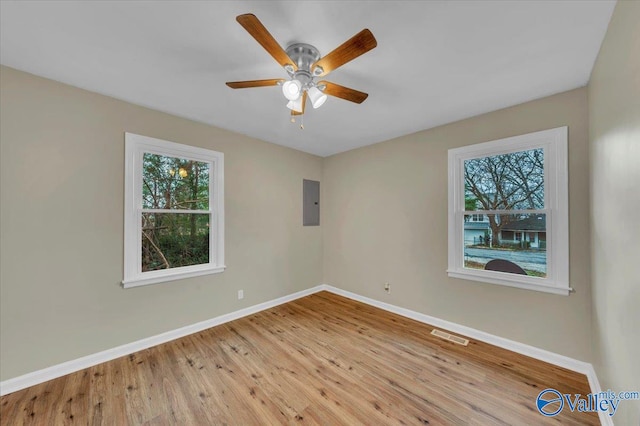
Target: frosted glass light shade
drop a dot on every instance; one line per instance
(292, 89)
(317, 97)
(296, 104)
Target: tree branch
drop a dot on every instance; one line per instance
(164, 259)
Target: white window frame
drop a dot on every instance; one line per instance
(556, 208)
(135, 148)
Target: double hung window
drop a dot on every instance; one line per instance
(518, 186)
(174, 211)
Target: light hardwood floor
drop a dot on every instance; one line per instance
(322, 359)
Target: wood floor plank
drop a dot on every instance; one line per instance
(319, 360)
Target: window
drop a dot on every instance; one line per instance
(477, 218)
(174, 211)
(518, 186)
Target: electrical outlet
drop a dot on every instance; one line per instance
(387, 288)
(240, 294)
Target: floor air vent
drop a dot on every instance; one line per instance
(450, 337)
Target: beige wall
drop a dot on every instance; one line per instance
(614, 133)
(385, 219)
(62, 164)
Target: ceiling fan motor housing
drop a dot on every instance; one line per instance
(304, 55)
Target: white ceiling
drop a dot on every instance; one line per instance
(436, 61)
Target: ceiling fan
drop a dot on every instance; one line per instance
(304, 65)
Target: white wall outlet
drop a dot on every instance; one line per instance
(240, 294)
(387, 288)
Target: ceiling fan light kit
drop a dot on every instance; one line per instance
(303, 64)
(302, 79)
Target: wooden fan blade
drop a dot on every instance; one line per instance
(266, 40)
(304, 103)
(254, 83)
(343, 92)
(360, 43)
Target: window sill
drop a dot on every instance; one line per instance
(506, 280)
(178, 275)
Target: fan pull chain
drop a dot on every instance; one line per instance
(302, 122)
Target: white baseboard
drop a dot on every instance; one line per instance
(59, 370)
(40, 376)
(594, 384)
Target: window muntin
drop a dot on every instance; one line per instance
(519, 186)
(174, 211)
